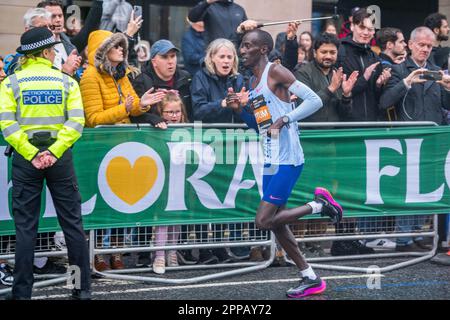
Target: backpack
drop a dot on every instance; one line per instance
(11, 62)
(348, 247)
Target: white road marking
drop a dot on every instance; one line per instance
(203, 285)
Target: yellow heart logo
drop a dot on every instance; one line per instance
(131, 183)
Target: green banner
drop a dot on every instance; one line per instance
(137, 177)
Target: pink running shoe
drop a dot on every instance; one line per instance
(330, 207)
(307, 287)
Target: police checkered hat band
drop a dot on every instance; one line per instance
(36, 39)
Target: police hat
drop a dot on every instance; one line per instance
(35, 40)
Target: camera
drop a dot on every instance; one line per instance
(431, 75)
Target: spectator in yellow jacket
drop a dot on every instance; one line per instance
(108, 96)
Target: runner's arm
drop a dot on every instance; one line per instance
(311, 101)
(249, 118)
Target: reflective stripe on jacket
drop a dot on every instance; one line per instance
(39, 98)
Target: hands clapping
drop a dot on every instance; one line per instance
(384, 77)
(236, 100)
(72, 63)
(348, 84)
(339, 79)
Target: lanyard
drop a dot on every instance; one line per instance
(120, 91)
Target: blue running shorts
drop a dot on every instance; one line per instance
(278, 182)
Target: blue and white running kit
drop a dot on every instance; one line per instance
(283, 155)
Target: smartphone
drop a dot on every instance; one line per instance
(431, 75)
(137, 11)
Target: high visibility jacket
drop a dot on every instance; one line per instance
(39, 98)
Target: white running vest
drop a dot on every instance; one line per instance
(286, 149)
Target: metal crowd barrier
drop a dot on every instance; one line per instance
(45, 247)
(216, 236)
(253, 237)
(380, 228)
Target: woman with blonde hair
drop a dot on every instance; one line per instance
(210, 85)
(209, 90)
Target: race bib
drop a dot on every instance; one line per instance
(262, 113)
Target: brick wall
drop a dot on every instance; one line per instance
(11, 23)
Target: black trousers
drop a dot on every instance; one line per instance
(27, 185)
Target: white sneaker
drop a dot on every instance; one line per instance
(6, 276)
(60, 241)
(381, 244)
(172, 259)
(159, 265)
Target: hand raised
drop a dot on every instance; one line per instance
(243, 96)
(292, 30)
(384, 77)
(134, 25)
(336, 80)
(348, 84)
(129, 103)
(370, 70)
(150, 98)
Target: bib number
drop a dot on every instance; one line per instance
(262, 113)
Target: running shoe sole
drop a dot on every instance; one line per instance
(310, 291)
(325, 193)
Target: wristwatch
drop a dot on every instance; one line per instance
(285, 119)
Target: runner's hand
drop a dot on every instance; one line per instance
(274, 129)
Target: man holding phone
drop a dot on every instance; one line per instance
(418, 89)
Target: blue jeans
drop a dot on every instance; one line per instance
(129, 237)
(408, 224)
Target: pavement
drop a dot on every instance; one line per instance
(423, 281)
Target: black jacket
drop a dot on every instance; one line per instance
(335, 106)
(439, 56)
(92, 23)
(386, 61)
(221, 20)
(423, 102)
(353, 56)
(148, 79)
(290, 56)
(193, 50)
(208, 91)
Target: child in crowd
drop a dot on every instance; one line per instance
(172, 110)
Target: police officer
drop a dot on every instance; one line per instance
(41, 117)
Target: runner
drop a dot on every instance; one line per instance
(275, 119)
